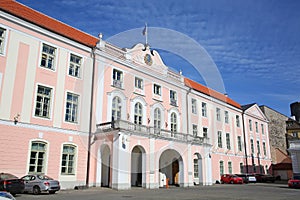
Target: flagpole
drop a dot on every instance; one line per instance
(146, 34)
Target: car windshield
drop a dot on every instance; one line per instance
(44, 177)
(7, 176)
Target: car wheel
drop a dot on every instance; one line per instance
(52, 192)
(231, 182)
(36, 190)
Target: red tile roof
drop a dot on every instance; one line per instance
(210, 92)
(19, 10)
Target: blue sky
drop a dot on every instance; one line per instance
(255, 44)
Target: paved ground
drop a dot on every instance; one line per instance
(243, 192)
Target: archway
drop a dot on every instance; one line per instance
(171, 166)
(138, 166)
(105, 166)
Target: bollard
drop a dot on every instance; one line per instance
(167, 183)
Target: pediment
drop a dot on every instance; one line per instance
(255, 111)
(141, 55)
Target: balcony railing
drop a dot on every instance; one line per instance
(149, 131)
(117, 83)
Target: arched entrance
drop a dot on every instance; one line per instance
(105, 166)
(198, 175)
(138, 167)
(171, 165)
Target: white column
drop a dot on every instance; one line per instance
(121, 163)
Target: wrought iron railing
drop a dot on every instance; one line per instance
(149, 131)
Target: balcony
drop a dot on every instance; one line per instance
(117, 83)
(148, 131)
(173, 102)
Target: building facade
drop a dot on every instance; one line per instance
(87, 112)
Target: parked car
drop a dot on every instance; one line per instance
(6, 196)
(247, 178)
(37, 183)
(264, 178)
(11, 183)
(294, 182)
(231, 178)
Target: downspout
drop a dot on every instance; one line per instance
(244, 133)
(91, 119)
(187, 110)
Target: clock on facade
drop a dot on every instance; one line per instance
(148, 59)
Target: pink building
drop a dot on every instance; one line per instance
(147, 124)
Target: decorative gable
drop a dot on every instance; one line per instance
(143, 55)
(256, 112)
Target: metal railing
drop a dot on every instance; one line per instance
(149, 131)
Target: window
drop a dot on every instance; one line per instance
(295, 134)
(194, 106)
(195, 130)
(68, 159)
(138, 83)
(116, 109)
(43, 101)
(138, 113)
(196, 170)
(173, 98)
(250, 124)
(229, 167)
(75, 65)
(262, 129)
(71, 108)
(264, 149)
(219, 139)
(237, 118)
(228, 141)
(157, 89)
(205, 133)
(157, 118)
(48, 57)
(37, 157)
(173, 122)
(258, 147)
(256, 127)
(117, 78)
(241, 168)
(2, 40)
(204, 110)
(226, 117)
(218, 111)
(221, 167)
(252, 146)
(239, 143)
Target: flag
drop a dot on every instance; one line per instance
(145, 30)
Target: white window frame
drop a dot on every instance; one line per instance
(228, 145)
(50, 102)
(239, 139)
(45, 159)
(195, 130)
(117, 78)
(194, 106)
(76, 66)
(48, 55)
(220, 143)
(72, 104)
(156, 89)
(250, 125)
(67, 161)
(4, 40)
(226, 117)
(117, 109)
(204, 109)
(138, 83)
(218, 114)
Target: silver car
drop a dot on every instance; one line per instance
(37, 183)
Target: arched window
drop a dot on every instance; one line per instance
(138, 113)
(37, 161)
(157, 118)
(173, 122)
(116, 109)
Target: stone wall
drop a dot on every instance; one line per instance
(277, 131)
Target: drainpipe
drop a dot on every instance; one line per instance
(244, 133)
(91, 118)
(187, 110)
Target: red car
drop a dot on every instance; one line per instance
(294, 182)
(231, 178)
